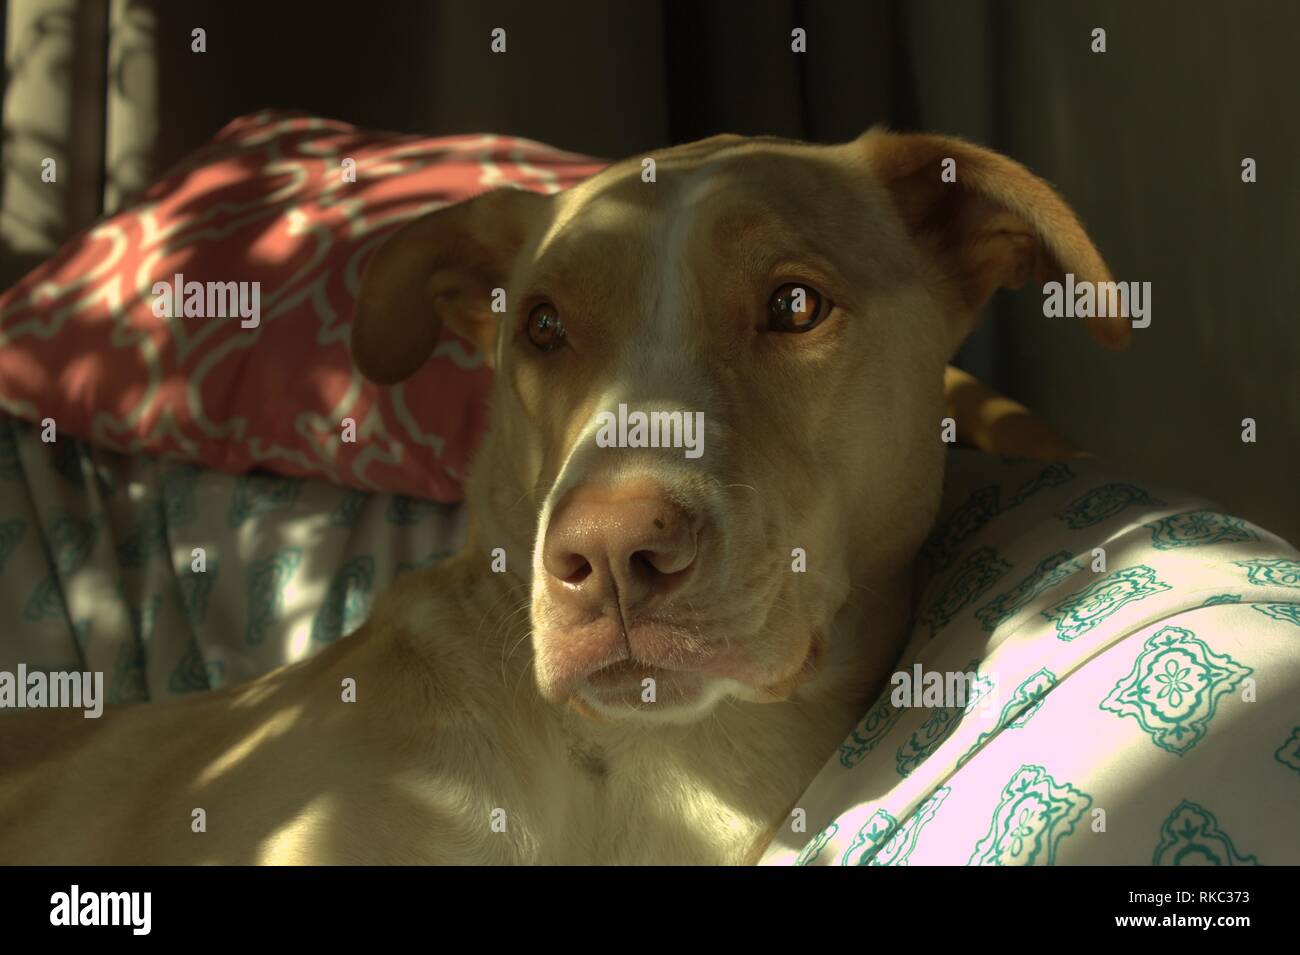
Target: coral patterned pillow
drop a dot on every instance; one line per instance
(211, 320)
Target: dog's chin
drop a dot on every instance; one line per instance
(620, 692)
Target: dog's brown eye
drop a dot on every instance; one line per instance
(796, 307)
(544, 328)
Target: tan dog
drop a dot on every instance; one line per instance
(650, 679)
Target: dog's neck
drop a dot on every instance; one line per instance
(499, 515)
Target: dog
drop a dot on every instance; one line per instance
(641, 655)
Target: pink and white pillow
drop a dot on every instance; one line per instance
(268, 201)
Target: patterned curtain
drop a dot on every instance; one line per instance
(78, 117)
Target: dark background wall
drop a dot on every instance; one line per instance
(1145, 140)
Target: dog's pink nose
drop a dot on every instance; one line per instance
(618, 549)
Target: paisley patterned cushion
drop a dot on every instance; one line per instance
(1134, 662)
(267, 201)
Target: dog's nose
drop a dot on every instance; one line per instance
(618, 549)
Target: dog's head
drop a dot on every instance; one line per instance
(719, 390)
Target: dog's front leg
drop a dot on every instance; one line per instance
(997, 425)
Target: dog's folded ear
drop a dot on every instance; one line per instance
(439, 268)
(988, 221)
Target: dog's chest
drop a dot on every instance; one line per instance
(674, 800)
(587, 759)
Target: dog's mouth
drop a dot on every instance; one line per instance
(627, 674)
(668, 645)
(660, 668)
(653, 664)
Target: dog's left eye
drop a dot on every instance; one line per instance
(796, 307)
(545, 330)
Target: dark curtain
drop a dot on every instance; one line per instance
(1145, 141)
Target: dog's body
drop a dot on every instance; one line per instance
(446, 729)
(443, 732)
(673, 647)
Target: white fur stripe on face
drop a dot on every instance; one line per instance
(569, 477)
(658, 365)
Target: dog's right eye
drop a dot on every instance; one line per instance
(796, 307)
(545, 330)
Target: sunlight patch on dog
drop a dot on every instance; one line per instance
(274, 725)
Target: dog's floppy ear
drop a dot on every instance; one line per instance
(439, 268)
(996, 226)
